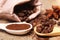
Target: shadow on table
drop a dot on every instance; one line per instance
(29, 33)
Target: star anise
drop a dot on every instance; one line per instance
(54, 12)
(56, 9)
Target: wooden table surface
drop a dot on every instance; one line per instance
(6, 36)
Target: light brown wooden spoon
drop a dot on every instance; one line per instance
(55, 32)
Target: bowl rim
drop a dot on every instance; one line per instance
(20, 30)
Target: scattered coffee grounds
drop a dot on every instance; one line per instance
(46, 26)
(18, 26)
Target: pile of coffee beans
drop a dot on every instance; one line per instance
(38, 20)
(23, 15)
(46, 26)
(24, 10)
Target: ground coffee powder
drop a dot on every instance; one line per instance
(18, 26)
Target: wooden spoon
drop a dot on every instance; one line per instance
(55, 32)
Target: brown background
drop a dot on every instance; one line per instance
(6, 36)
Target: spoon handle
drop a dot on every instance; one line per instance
(56, 29)
(3, 26)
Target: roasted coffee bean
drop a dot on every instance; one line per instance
(21, 14)
(44, 30)
(39, 29)
(58, 23)
(50, 28)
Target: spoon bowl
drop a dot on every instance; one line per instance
(55, 32)
(18, 32)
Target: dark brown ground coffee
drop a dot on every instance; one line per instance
(18, 26)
